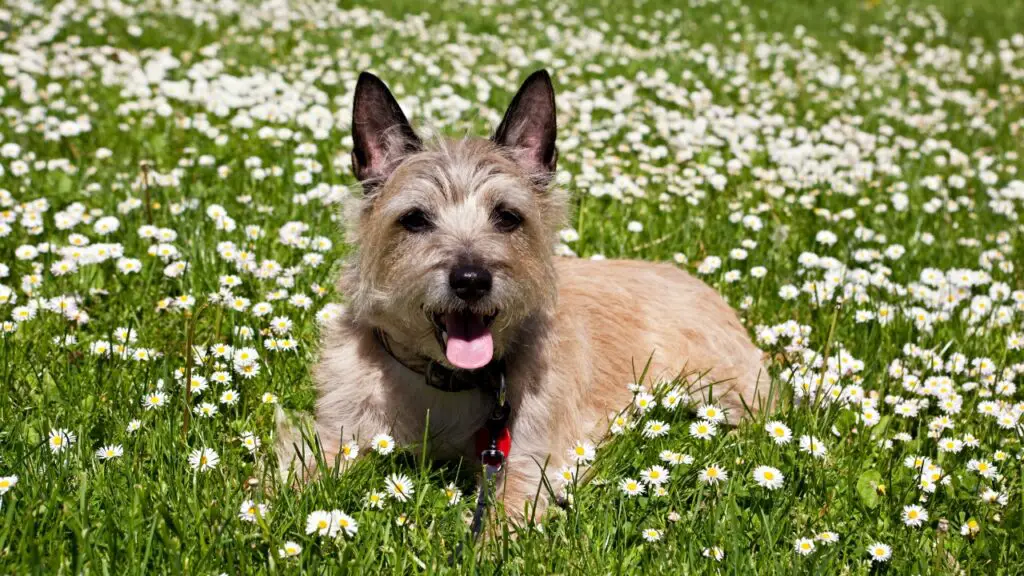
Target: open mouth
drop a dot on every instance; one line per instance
(465, 337)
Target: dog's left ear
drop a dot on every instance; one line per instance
(380, 132)
(528, 129)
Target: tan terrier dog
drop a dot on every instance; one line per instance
(454, 291)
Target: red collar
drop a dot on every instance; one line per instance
(494, 441)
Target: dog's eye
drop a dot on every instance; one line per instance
(416, 221)
(506, 220)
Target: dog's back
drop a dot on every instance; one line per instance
(630, 311)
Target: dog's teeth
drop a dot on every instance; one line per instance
(444, 337)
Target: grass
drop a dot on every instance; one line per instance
(883, 90)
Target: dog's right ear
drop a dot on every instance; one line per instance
(380, 132)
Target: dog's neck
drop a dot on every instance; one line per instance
(401, 353)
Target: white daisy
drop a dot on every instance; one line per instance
(110, 452)
(203, 459)
(400, 487)
(249, 511)
(768, 477)
(703, 429)
(582, 452)
(713, 474)
(655, 475)
(383, 444)
(914, 515)
(631, 487)
(813, 446)
(779, 432)
(879, 552)
(320, 523)
(6, 483)
(61, 439)
(289, 550)
(344, 523)
(711, 413)
(655, 428)
(651, 534)
(804, 546)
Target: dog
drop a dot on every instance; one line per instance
(456, 299)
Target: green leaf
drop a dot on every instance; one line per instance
(867, 487)
(157, 144)
(62, 183)
(878, 429)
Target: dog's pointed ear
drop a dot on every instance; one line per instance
(381, 134)
(528, 129)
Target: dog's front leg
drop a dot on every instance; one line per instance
(341, 430)
(522, 491)
(525, 489)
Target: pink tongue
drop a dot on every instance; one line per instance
(470, 345)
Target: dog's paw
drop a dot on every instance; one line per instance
(291, 446)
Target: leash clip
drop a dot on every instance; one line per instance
(498, 442)
(493, 459)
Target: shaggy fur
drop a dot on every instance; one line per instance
(573, 333)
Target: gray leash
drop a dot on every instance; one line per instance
(493, 454)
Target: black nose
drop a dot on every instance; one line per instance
(470, 283)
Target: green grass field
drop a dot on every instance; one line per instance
(846, 174)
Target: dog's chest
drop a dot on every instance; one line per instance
(449, 421)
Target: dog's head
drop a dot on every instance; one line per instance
(453, 237)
